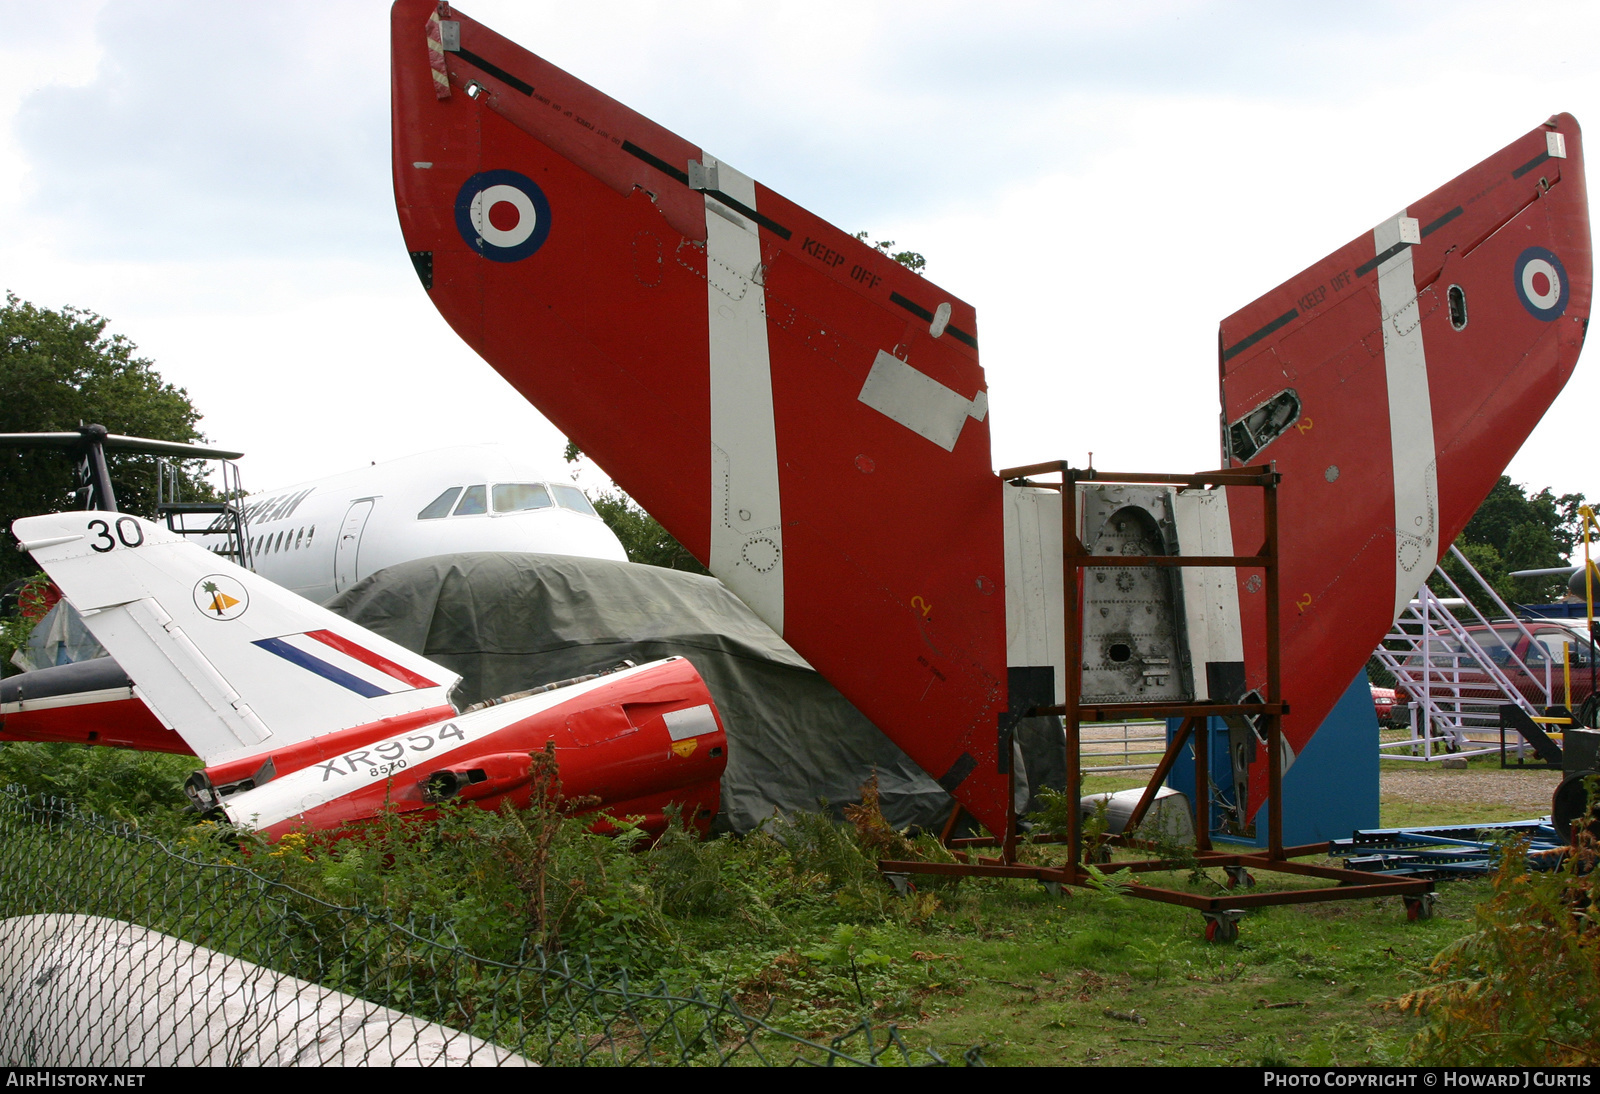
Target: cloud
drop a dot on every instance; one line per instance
(1104, 181)
(213, 130)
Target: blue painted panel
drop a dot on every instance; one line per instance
(1331, 789)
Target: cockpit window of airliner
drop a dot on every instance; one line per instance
(514, 497)
(474, 500)
(440, 506)
(572, 498)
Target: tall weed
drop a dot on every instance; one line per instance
(1524, 989)
(143, 789)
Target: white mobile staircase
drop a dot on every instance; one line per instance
(1456, 685)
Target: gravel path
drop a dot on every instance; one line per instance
(1527, 793)
(1524, 794)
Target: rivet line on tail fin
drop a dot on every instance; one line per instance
(496, 71)
(1433, 226)
(1414, 461)
(1249, 340)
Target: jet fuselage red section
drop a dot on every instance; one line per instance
(87, 703)
(637, 743)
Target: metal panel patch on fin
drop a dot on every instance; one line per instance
(919, 402)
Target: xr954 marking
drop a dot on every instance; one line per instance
(389, 753)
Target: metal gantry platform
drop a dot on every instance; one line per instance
(1221, 912)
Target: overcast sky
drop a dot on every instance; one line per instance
(1105, 182)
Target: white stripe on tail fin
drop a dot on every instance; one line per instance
(232, 662)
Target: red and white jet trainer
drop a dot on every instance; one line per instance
(810, 419)
(304, 719)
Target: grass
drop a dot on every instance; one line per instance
(1091, 978)
(1087, 979)
(801, 922)
(1091, 981)
(1396, 810)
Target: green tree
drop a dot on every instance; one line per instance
(1513, 530)
(641, 534)
(59, 369)
(911, 260)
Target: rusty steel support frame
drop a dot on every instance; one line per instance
(1349, 884)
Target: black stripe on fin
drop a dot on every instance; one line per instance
(1379, 259)
(740, 207)
(1530, 165)
(1441, 222)
(964, 766)
(915, 309)
(654, 161)
(1245, 343)
(496, 71)
(924, 314)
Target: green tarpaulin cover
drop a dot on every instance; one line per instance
(507, 622)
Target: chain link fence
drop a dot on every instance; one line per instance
(119, 950)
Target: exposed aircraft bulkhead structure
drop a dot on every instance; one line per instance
(810, 419)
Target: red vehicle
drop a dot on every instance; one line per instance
(1530, 657)
(1384, 700)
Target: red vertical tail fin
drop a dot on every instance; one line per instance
(1392, 382)
(804, 414)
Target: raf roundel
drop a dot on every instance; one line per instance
(1541, 283)
(503, 215)
(219, 596)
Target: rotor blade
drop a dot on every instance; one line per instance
(119, 443)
